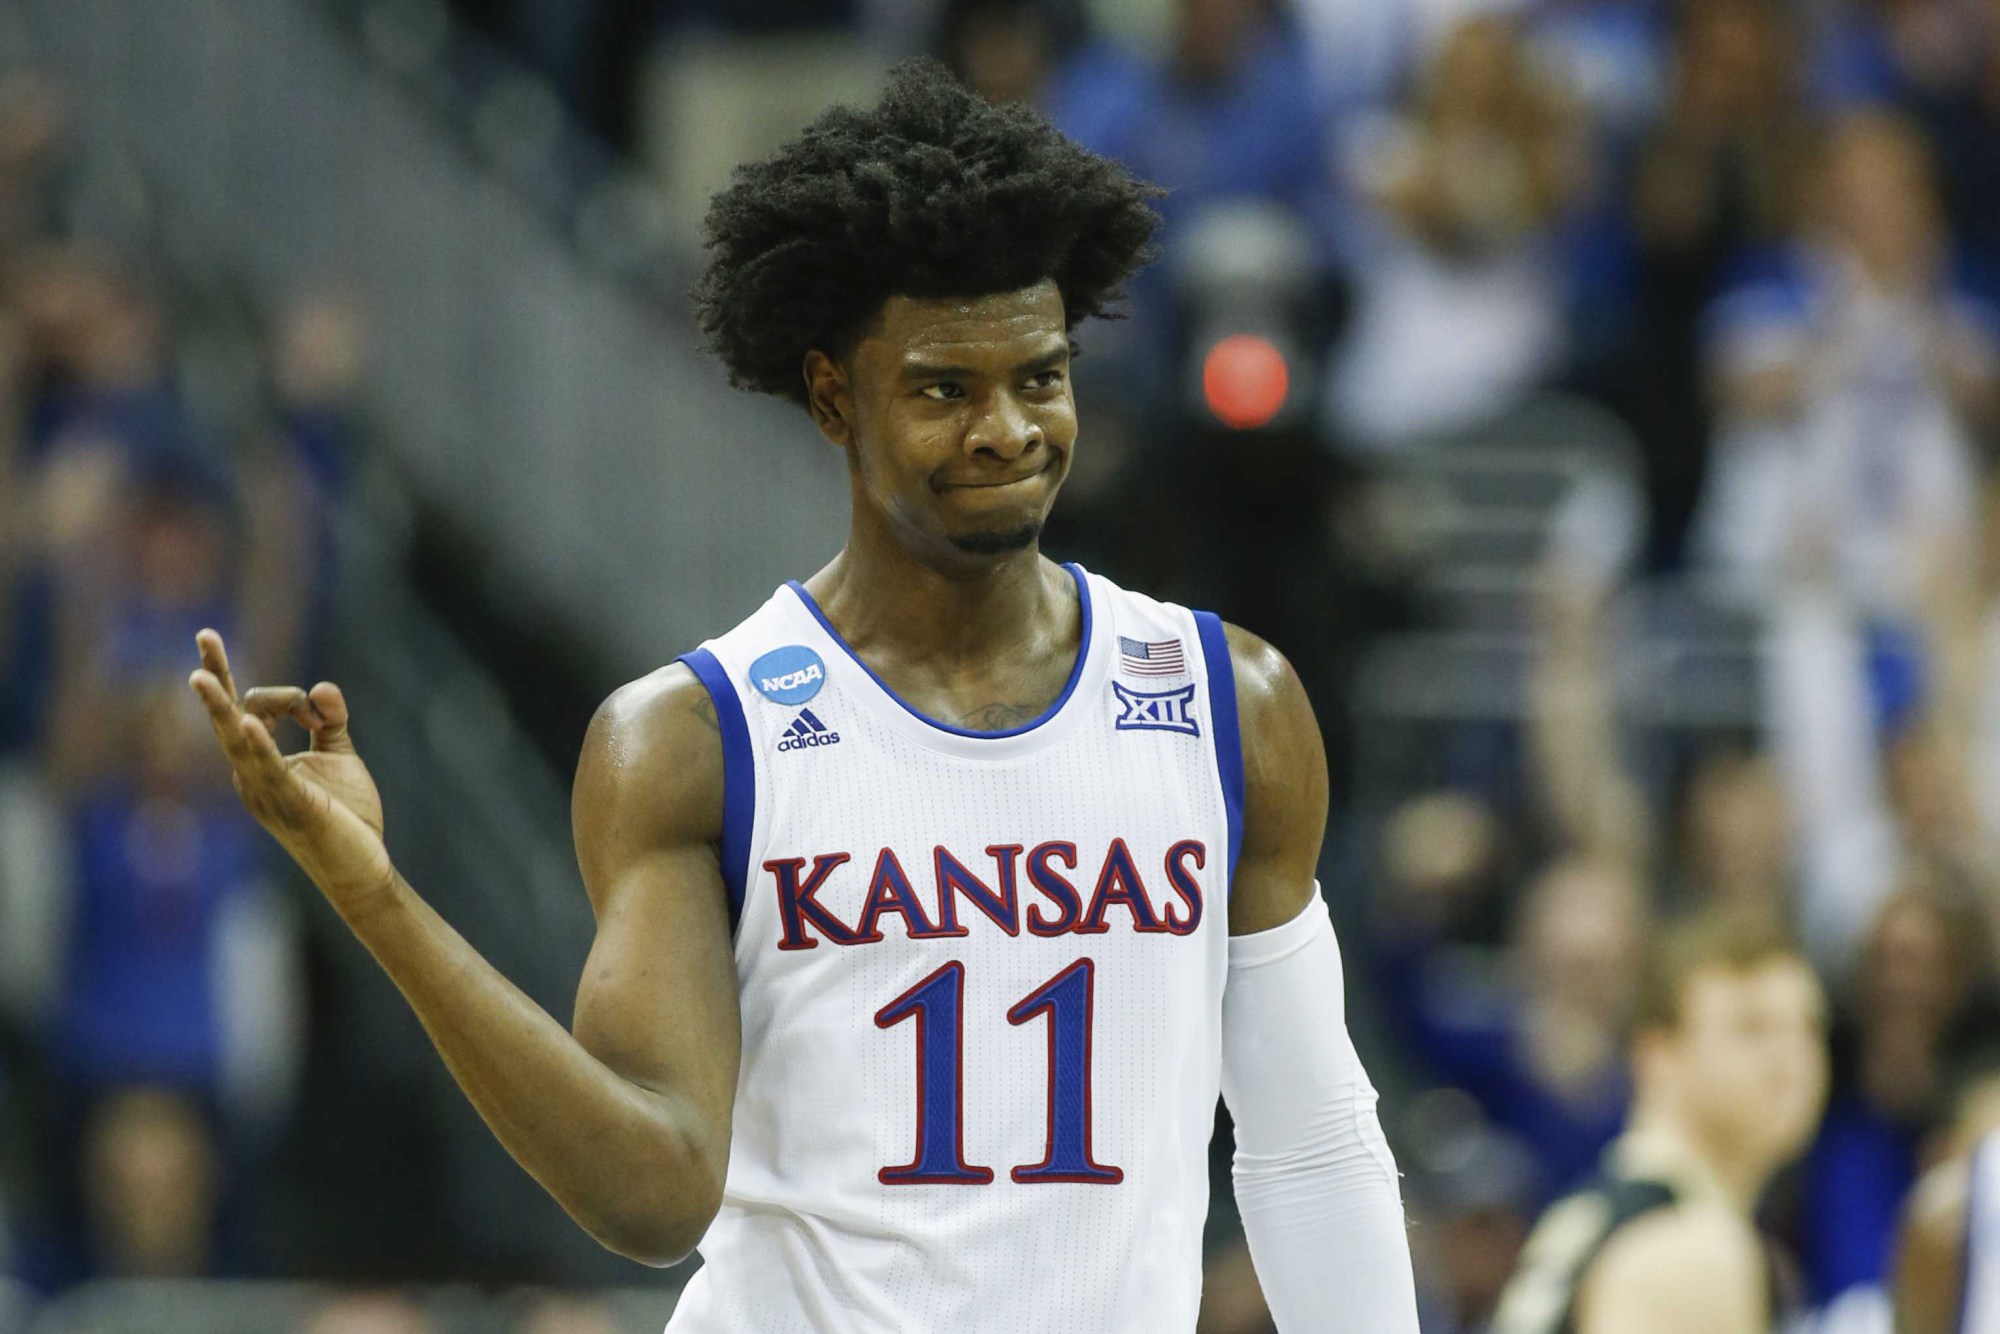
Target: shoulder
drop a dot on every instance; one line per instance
(1696, 1266)
(651, 769)
(1284, 787)
(1271, 705)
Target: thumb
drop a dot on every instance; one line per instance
(331, 732)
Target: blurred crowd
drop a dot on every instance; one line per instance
(150, 984)
(1760, 236)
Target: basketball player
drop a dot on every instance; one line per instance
(1729, 1067)
(936, 900)
(1948, 1265)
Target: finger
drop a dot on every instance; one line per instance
(330, 733)
(215, 658)
(271, 703)
(267, 787)
(266, 761)
(222, 712)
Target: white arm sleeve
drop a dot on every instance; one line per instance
(1315, 1182)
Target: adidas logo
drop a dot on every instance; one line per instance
(806, 732)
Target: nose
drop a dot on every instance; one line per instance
(1004, 430)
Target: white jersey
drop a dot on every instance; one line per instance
(1980, 1311)
(981, 978)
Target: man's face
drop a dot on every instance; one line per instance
(957, 418)
(1882, 200)
(1751, 1051)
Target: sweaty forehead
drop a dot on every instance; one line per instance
(931, 329)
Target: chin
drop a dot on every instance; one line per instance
(998, 541)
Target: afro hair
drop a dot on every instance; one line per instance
(933, 193)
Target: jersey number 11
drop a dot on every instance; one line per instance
(937, 1004)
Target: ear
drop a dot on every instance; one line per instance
(828, 399)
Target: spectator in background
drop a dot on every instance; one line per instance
(1883, 50)
(123, 630)
(1730, 849)
(1609, 59)
(295, 484)
(103, 424)
(1362, 50)
(1860, 375)
(1227, 115)
(551, 1313)
(1536, 1040)
(1719, 175)
(105, 375)
(177, 971)
(1870, 376)
(1457, 313)
(1004, 50)
(162, 857)
(1959, 108)
(1915, 1005)
(34, 119)
(1728, 1057)
(151, 1177)
(1230, 111)
(370, 1313)
(1472, 1194)
(1932, 1279)
(1734, 853)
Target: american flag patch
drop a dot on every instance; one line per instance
(1159, 657)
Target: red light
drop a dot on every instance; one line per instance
(1244, 381)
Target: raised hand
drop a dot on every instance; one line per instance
(320, 804)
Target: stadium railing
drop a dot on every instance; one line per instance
(1499, 500)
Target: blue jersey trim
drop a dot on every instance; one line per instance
(1069, 687)
(739, 776)
(1227, 735)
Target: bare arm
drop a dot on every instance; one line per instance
(1684, 1271)
(626, 1123)
(1591, 798)
(1315, 1181)
(1284, 789)
(1930, 1258)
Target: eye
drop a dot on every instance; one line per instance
(942, 391)
(1047, 379)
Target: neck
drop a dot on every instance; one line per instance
(1739, 1172)
(875, 590)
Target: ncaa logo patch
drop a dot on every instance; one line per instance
(789, 675)
(1155, 711)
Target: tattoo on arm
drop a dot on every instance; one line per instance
(704, 709)
(999, 717)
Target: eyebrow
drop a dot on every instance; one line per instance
(919, 370)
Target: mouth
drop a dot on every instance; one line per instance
(999, 484)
